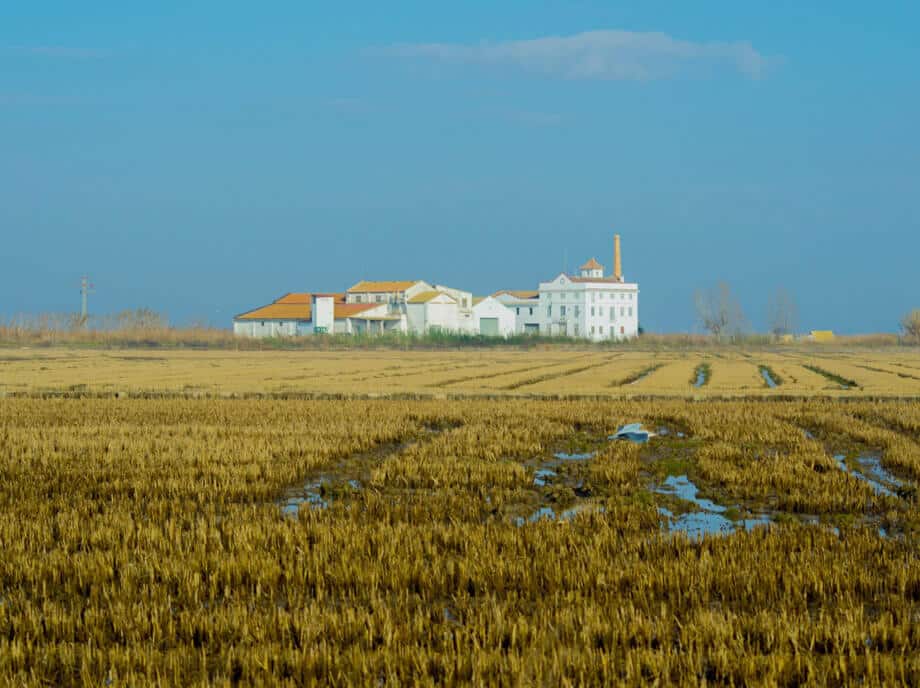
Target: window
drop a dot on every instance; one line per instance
(531, 311)
(577, 311)
(613, 313)
(592, 311)
(562, 311)
(549, 311)
(576, 329)
(592, 329)
(379, 298)
(518, 309)
(630, 311)
(600, 330)
(622, 311)
(622, 330)
(357, 298)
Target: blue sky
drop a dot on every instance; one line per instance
(202, 158)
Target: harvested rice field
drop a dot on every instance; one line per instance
(546, 517)
(475, 541)
(551, 372)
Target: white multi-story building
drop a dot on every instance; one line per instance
(590, 305)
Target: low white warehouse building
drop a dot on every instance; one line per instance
(491, 318)
(526, 308)
(433, 311)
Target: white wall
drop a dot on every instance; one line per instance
(442, 314)
(267, 328)
(324, 313)
(491, 308)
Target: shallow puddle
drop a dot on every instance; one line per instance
(548, 513)
(709, 520)
(562, 456)
(543, 477)
(872, 472)
(311, 495)
(771, 383)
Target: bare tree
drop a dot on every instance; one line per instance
(782, 313)
(719, 311)
(910, 323)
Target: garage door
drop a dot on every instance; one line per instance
(488, 327)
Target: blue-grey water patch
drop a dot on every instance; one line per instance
(562, 456)
(709, 520)
(771, 383)
(549, 514)
(543, 477)
(311, 496)
(872, 472)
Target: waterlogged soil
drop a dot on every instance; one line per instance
(561, 487)
(709, 518)
(347, 476)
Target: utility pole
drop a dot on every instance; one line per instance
(85, 290)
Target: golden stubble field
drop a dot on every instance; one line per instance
(468, 373)
(432, 542)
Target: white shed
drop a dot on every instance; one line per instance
(433, 311)
(491, 318)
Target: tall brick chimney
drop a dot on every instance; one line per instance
(617, 260)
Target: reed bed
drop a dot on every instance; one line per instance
(143, 542)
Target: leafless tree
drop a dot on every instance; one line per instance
(719, 311)
(910, 323)
(782, 313)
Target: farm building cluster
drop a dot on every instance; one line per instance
(589, 305)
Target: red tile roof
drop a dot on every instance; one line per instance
(592, 265)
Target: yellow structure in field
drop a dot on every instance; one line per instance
(821, 335)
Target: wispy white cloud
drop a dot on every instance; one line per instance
(602, 55)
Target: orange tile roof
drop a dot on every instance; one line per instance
(347, 310)
(426, 296)
(303, 297)
(279, 311)
(519, 294)
(365, 287)
(592, 265)
(294, 297)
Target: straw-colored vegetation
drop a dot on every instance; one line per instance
(538, 372)
(143, 541)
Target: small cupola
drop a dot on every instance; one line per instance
(592, 269)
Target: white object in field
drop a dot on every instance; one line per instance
(634, 432)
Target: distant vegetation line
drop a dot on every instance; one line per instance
(141, 329)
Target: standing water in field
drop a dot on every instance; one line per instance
(311, 495)
(768, 377)
(708, 521)
(872, 472)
